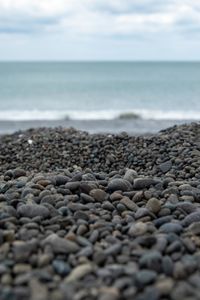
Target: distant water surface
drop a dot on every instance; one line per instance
(160, 92)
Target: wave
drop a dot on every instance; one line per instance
(53, 115)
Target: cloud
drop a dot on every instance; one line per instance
(99, 17)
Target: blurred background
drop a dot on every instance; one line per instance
(100, 66)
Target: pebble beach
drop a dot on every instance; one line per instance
(100, 216)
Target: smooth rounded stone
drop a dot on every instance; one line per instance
(153, 205)
(33, 210)
(19, 173)
(22, 250)
(60, 245)
(107, 205)
(87, 198)
(38, 290)
(21, 268)
(143, 182)
(130, 175)
(143, 212)
(166, 166)
(187, 207)
(99, 195)
(77, 206)
(179, 271)
(82, 229)
(194, 228)
(162, 220)
(137, 229)
(119, 184)
(72, 186)
(86, 252)
(191, 218)
(183, 291)
(165, 286)
(129, 203)
(171, 227)
(151, 260)
(79, 272)
(27, 191)
(145, 277)
(62, 268)
(109, 293)
(138, 196)
(81, 215)
(61, 180)
(113, 249)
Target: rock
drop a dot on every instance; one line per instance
(38, 291)
(151, 260)
(138, 229)
(166, 166)
(19, 173)
(191, 218)
(171, 227)
(194, 228)
(153, 205)
(98, 194)
(79, 272)
(119, 184)
(129, 203)
(62, 268)
(33, 210)
(145, 277)
(60, 245)
(142, 183)
(130, 175)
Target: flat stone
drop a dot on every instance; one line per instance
(119, 184)
(166, 166)
(129, 203)
(171, 227)
(79, 272)
(144, 182)
(98, 194)
(60, 245)
(33, 210)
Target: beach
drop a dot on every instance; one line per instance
(100, 216)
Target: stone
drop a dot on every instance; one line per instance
(166, 166)
(79, 272)
(153, 205)
(98, 194)
(33, 210)
(119, 184)
(142, 183)
(171, 227)
(129, 203)
(145, 277)
(60, 245)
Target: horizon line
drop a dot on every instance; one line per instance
(99, 61)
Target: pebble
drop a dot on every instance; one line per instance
(119, 184)
(60, 245)
(145, 277)
(171, 227)
(79, 272)
(154, 205)
(33, 210)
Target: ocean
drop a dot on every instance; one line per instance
(137, 97)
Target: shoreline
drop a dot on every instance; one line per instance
(100, 216)
(115, 126)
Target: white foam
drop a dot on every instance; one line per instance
(51, 115)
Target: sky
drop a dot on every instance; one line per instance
(99, 30)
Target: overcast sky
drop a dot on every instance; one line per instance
(100, 29)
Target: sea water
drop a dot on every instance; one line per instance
(94, 91)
